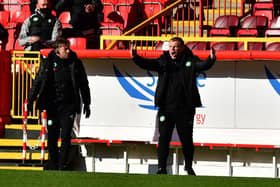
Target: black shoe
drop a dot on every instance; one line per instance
(50, 166)
(161, 171)
(64, 168)
(190, 171)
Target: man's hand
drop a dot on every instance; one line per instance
(29, 106)
(34, 39)
(133, 50)
(212, 53)
(86, 111)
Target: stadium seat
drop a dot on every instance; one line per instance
(111, 29)
(264, 9)
(65, 18)
(275, 46)
(223, 46)
(252, 46)
(129, 11)
(150, 8)
(108, 7)
(253, 26)
(115, 17)
(78, 43)
(13, 5)
(4, 17)
(18, 18)
(17, 46)
(273, 30)
(225, 26)
(197, 45)
(11, 40)
(162, 46)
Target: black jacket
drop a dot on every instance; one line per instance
(82, 20)
(192, 65)
(43, 84)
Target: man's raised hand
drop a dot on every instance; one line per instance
(133, 50)
(212, 53)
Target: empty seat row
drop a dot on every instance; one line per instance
(249, 26)
(131, 12)
(8, 20)
(227, 46)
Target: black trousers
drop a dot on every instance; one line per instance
(184, 126)
(60, 124)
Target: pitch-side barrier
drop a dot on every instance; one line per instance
(41, 139)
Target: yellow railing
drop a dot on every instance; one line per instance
(244, 40)
(25, 65)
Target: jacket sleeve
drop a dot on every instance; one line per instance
(37, 82)
(201, 65)
(148, 64)
(84, 84)
(23, 35)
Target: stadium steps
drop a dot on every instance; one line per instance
(11, 148)
(14, 131)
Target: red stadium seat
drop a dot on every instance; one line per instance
(65, 18)
(14, 5)
(151, 8)
(4, 17)
(11, 40)
(253, 26)
(78, 43)
(275, 46)
(273, 30)
(108, 7)
(128, 10)
(197, 45)
(17, 46)
(264, 9)
(225, 26)
(20, 16)
(223, 46)
(162, 46)
(111, 29)
(252, 46)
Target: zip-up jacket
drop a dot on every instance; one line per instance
(43, 85)
(191, 64)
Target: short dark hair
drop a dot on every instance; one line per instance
(61, 41)
(177, 39)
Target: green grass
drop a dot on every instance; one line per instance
(55, 178)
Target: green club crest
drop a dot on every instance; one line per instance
(188, 64)
(35, 19)
(162, 118)
(50, 122)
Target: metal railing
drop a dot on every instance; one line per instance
(25, 65)
(245, 40)
(187, 18)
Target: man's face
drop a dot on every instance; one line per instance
(63, 51)
(175, 49)
(42, 4)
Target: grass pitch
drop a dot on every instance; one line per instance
(61, 178)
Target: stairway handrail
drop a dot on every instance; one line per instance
(147, 21)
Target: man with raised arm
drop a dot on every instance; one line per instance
(176, 96)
